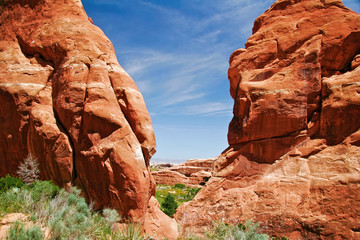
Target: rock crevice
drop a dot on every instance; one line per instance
(63, 130)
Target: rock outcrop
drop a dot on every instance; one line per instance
(65, 99)
(294, 157)
(192, 173)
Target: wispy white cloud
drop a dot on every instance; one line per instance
(181, 97)
(210, 109)
(145, 87)
(145, 58)
(180, 77)
(174, 17)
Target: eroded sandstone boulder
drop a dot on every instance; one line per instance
(277, 81)
(294, 155)
(65, 99)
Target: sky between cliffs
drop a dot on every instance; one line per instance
(177, 52)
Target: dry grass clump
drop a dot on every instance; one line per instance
(29, 170)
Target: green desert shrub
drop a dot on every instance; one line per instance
(18, 231)
(9, 182)
(191, 193)
(69, 216)
(43, 189)
(169, 205)
(111, 215)
(180, 191)
(132, 232)
(224, 231)
(15, 200)
(179, 186)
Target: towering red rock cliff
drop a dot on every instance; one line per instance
(65, 99)
(294, 156)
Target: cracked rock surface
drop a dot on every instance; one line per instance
(65, 99)
(293, 158)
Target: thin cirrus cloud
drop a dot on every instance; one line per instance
(210, 109)
(182, 76)
(182, 96)
(147, 59)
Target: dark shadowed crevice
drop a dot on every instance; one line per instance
(63, 130)
(29, 52)
(53, 54)
(31, 3)
(122, 95)
(316, 114)
(284, 54)
(263, 75)
(293, 133)
(348, 49)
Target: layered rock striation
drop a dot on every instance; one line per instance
(293, 160)
(192, 173)
(65, 99)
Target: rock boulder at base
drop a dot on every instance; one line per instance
(294, 157)
(65, 99)
(157, 224)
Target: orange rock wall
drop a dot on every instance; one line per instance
(294, 152)
(279, 82)
(65, 99)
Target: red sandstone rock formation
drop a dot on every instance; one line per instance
(65, 99)
(159, 225)
(191, 173)
(294, 157)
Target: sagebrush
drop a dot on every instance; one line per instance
(18, 231)
(247, 231)
(64, 213)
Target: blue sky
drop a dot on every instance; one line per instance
(177, 52)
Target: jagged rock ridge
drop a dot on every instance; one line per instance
(293, 160)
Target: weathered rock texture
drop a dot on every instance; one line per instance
(65, 99)
(192, 173)
(157, 224)
(294, 157)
